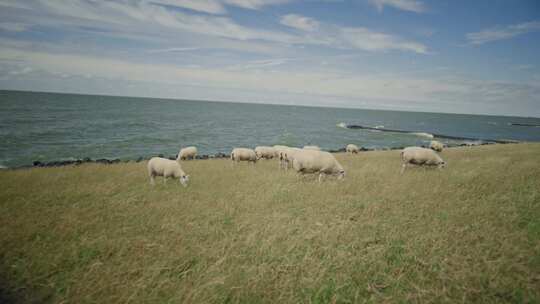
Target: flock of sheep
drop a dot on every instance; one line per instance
(309, 159)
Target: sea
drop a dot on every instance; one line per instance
(48, 127)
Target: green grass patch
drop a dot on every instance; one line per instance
(255, 234)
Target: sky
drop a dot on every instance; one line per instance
(474, 57)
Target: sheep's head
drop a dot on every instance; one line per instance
(341, 174)
(442, 164)
(184, 180)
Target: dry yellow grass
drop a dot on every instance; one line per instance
(102, 234)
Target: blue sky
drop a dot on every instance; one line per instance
(478, 57)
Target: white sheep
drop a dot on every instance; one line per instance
(158, 166)
(420, 156)
(436, 145)
(286, 157)
(265, 152)
(324, 163)
(243, 154)
(187, 153)
(315, 148)
(278, 149)
(352, 148)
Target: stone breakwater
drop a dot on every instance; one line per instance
(220, 155)
(107, 161)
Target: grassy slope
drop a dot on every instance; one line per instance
(98, 233)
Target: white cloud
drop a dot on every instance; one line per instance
(254, 4)
(148, 20)
(494, 34)
(205, 6)
(300, 22)
(13, 26)
(365, 39)
(406, 5)
(259, 64)
(428, 93)
(174, 50)
(15, 4)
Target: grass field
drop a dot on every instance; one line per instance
(101, 234)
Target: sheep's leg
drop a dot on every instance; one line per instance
(403, 167)
(164, 179)
(320, 176)
(152, 181)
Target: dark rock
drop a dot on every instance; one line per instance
(221, 155)
(172, 158)
(364, 149)
(37, 163)
(140, 159)
(87, 160)
(161, 155)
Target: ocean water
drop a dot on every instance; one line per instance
(49, 127)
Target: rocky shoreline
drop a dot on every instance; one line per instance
(220, 155)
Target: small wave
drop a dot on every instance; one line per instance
(3, 167)
(342, 125)
(379, 127)
(423, 134)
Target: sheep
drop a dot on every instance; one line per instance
(286, 157)
(420, 156)
(278, 152)
(265, 152)
(243, 154)
(278, 149)
(158, 166)
(187, 153)
(324, 163)
(315, 148)
(436, 145)
(351, 148)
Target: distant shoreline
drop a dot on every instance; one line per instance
(220, 155)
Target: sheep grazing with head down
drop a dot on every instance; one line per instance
(243, 154)
(278, 149)
(265, 152)
(187, 153)
(315, 148)
(436, 145)
(158, 166)
(351, 148)
(324, 163)
(420, 157)
(286, 157)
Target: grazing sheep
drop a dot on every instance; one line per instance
(324, 163)
(278, 149)
(158, 166)
(265, 152)
(315, 148)
(243, 154)
(351, 148)
(286, 157)
(187, 153)
(420, 156)
(436, 145)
